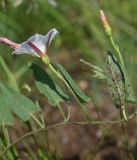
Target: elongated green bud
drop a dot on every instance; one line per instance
(105, 23)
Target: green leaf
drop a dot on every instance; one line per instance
(12, 101)
(83, 98)
(116, 81)
(129, 92)
(48, 87)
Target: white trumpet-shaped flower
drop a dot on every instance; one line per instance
(36, 45)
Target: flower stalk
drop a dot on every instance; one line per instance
(108, 31)
(37, 45)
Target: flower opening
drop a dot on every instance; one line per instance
(37, 45)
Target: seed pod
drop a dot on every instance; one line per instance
(116, 81)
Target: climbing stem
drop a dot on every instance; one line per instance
(115, 46)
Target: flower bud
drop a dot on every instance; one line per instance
(105, 23)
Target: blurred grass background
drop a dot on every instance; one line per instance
(81, 34)
(78, 22)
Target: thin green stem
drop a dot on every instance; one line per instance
(6, 135)
(42, 119)
(118, 52)
(40, 115)
(68, 86)
(92, 66)
(123, 111)
(46, 60)
(62, 113)
(115, 46)
(2, 145)
(68, 116)
(10, 76)
(37, 121)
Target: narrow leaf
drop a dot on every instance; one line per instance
(129, 92)
(48, 87)
(83, 98)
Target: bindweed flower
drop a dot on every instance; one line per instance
(36, 45)
(105, 23)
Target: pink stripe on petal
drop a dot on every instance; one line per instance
(35, 48)
(47, 44)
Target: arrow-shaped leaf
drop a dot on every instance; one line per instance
(48, 87)
(12, 101)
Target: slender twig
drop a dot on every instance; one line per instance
(91, 65)
(61, 124)
(62, 112)
(37, 121)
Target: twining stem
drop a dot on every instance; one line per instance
(61, 125)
